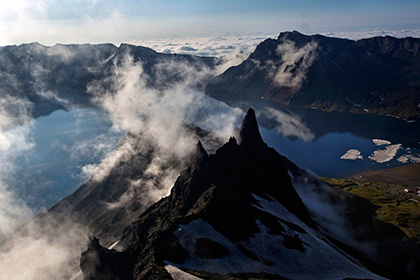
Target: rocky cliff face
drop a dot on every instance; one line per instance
(378, 75)
(233, 213)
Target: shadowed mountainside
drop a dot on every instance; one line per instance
(234, 212)
(378, 75)
(57, 77)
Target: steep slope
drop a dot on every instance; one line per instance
(123, 188)
(396, 204)
(359, 222)
(379, 75)
(132, 178)
(233, 213)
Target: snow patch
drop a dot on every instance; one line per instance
(381, 156)
(330, 262)
(353, 103)
(409, 158)
(380, 142)
(178, 274)
(113, 245)
(320, 260)
(352, 154)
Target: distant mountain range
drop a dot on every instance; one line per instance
(57, 77)
(377, 75)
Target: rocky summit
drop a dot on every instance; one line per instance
(233, 214)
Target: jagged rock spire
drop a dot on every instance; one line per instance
(249, 134)
(199, 155)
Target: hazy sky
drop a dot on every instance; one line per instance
(79, 21)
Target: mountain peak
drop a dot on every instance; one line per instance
(291, 35)
(200, 155)
(249, 134)
(228, 210)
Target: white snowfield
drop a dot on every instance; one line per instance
(381, 156)
(380, 142)
(320, 260)
(179, 274)
(409, 158)
(352, 154)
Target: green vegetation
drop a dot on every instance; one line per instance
(403, 175)
(398, 204)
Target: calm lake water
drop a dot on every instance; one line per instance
(315, 141)
(64, 142)
(322, 155)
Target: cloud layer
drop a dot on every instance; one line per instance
(32, 254)
(292, 68)
(158, 114)
(159, 117)
(232, 50)
(15, 141)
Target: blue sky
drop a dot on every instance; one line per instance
(78, 21)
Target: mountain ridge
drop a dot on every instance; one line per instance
(376, 75)
(220, 208)
(57, 77)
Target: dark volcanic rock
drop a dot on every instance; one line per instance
(378, 74)
(238, 205)
(101, 262)
(218, 191)
(249, 134)
(237, 208)
(209, 249)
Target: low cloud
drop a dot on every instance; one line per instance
(41, 252)
(232, 50)
(369, 33)
(50, 250)
(15, 141)
(331, 210)
(289, 125)
(29, 252)
(291, 69)
(157, 116)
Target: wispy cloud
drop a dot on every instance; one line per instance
(289, 125)
(50, 250)
(158, 117)
(42, 252)
(15, 141)
(31, 254)
(291, 69)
